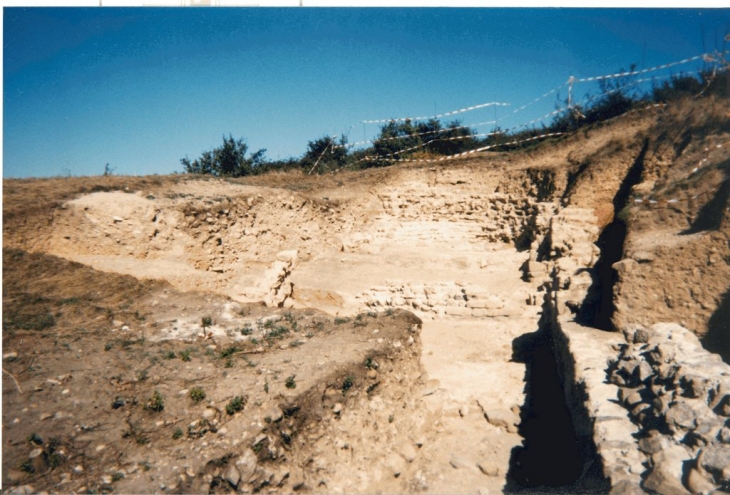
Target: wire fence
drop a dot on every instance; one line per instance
(625, 80)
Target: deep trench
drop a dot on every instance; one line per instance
(552, 459)
(598, 306)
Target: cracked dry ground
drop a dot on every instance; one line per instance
(359, 332)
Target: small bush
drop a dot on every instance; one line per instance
(235, 405)
(156, 403)
(290, 383)
(340, 321)
(185, 355)
(177, 434)
(347, 383)
(197, 394)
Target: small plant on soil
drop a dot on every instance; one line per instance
(156, 403)
(197, 394)
(177, 434)
(246, 331)
(295, 343)
(142, 375)
(266, 386)
(169, 355)
(309, 335)
(290, 383)
(347, 383)
(185, 355)
(235, 405)
(340, 321)
(228, 351)
(117, 476)
(206, 322)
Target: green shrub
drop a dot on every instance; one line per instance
(235, 405)
(197, 394)
(156, 403)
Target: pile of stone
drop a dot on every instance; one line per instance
(678, 394)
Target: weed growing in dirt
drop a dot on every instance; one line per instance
(391, 418)
(277, 333)
(229, 351)
(108, 346)
(309, 335)
(228, 363)
(347, 383)
(235, 404)
(295, 343)
(156, 403)
(290, 383)
(370, 364)
(197, 394)
(266, 386)
(246, 331)
(169, 355)
(340, 321)
(177, 434)
(142, 375)
(206, 322)
(117, 476)
(185, 355)
(359, 321)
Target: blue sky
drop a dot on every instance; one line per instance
(140, 88)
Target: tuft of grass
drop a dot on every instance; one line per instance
(117, 476)
(185, 355)
(290, 383)
(247, 330)
(347, 383)
(295, 343)
(177, 434)
(169, 355)
(156, 403)
(197, 394)
(235, 405)
(229, 351)
(340, 321)
(206, 321)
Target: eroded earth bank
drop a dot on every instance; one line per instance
(545, 319)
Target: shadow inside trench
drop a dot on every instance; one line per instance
(550, 459)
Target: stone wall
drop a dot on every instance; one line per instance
(650, 405)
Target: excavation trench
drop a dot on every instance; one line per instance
(495, 413)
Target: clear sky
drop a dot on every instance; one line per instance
(140, 88)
